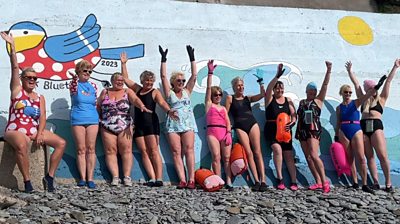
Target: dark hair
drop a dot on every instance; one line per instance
(279, 84)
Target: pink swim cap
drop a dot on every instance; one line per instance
(368, 84)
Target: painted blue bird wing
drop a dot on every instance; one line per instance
(74, 45)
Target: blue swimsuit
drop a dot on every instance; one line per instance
(350, 119)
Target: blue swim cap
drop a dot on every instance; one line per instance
(311, 85)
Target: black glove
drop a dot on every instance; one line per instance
(380, 82)
(280, 71)
(336, 138)
(190, 51)
(163, 53)
(105, 83)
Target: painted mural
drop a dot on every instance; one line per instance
(236, 52)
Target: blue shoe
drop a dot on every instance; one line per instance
(28, 187)
(48, 183)
(91, 185)
(81, 183)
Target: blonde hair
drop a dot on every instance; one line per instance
(147, 75)
(216, 89)
(26, 70)
(343, 87)
(235, 81)
(115, 76)
(83, 64)
(370, 103)
(173, 77)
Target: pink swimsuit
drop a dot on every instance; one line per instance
(216, 123)
(24, 114)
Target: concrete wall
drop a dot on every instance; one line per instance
(240, 38)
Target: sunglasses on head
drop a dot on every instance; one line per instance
(34, 78)
(218, 94)
(347, 92)
(181, 80)
(87, 71)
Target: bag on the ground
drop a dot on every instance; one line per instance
(208, 180)
(238, 160)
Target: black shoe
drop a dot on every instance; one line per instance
(48, 183)
(158, 183)
(389, 189)
(28, 187)
(256, 186)
(376, 187)
(229, 187)
(355, 186)
(263, 187)
(151, 183)
(367, 189)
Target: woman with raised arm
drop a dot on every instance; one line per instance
(180, 133)
(276, 103)
(27, 121)
(372, 125)
(116, 126)
(247, 129)
(309, 129)
(219, 136)
(147, 125)
(348, 130)
(84, 121)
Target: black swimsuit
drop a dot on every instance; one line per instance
(146, 123)
(375, 123)
(271, 113)
(242, 115)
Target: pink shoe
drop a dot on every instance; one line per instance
(294, 187)
(181, 185)
(191, 185)
(327, 187)
(315, 187)
(281, 185)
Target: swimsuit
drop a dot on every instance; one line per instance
(271, 113)
(242, 115)
(146, 123)
(83, 101)
(309, 125)
(24, 114)
(182, 106)
(370, 125)
(216, 122)
(115, 115)
(350, 116)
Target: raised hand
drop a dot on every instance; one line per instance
(73, 75)
(348, 66)
(123, 57)
(211, 67)
(259, 74)
(328, 65)
(280, 71)
(190, 51)
(163, 53)
(380, 82)
(7, 37)
(397, 63)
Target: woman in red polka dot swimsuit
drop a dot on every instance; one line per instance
(27, 121)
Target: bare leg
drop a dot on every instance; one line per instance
(245, 141)
(188, 149)
(91, 135)
(20, 142)
(254, 136)
(125, 150)
(379, 143)
(310, 162)
(277, 157)
(79, 134)
(215, 150)
(152, 142)
(176, 149)
(110, 151)
(148, 166)
(58, 144)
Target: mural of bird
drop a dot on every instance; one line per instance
(53, 57)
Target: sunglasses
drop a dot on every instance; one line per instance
(181, 80)
(34, 78)
(87, 71)
(347, 92)
(215, 95)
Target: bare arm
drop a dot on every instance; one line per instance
(270, 87)
(99, 100)
(293, 114)
(211, 68)
(136, 101)
(228, 103)
(338, 121)
(160, 101)
(324, 88)
(385, 91)
(228, 122)
(192, 80)
(259, 96)
(353, 79)
(128, 82)
(163, 71)
(364, 97)
(15, 84)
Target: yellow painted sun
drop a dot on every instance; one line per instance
(355, 31)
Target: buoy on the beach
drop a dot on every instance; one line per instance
(238, 160)
(339, 159)
(208, 180)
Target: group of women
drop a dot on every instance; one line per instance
(111, 110)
